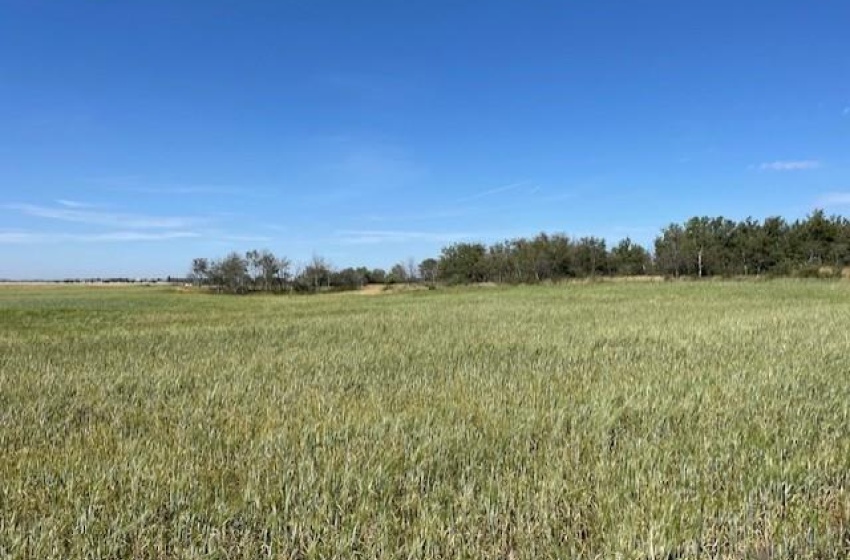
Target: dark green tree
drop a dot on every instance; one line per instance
(463, 262)
(629, 259)
(230, 274)
(428, 269)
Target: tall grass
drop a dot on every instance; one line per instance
(676, 420)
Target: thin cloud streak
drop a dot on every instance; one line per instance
(834, 199)
(252, 192)
(221, 236)
(135, 184)
(560, 196)
(425, 216)
(372, 237)
(360, 173)
(32, 237)
(73, 204)
(118, 226)
(109, 219)
(794, 165)
(491, 192)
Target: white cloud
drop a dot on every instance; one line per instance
(8, 237)
(220, 236)
(378, 166)
(418, 217)
(138, 236)
(104, 226)
(560, 196)
(834, 199)
(370, 237)
(21, 237)
(73, 203)
(81, 215)
(359, 172)
(491, 192)
(846, 111)
(136, 184)
(790, 165)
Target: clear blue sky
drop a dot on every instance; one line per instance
(137, 135)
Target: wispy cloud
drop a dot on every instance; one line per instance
(561, 196)
(189, 190)
(790, 165)
(379, 165)
(98, 225)
(9, 237)
(224, 236)
(73, 203)
(138, 236)
(420, 217)
(82, 215)
(360, 172)
(24, 237)
(846, 111)
(833, 199)
(488, 207)
(140, 185)
(495, 191)
(371, 237)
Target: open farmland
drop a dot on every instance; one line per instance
(665, 420)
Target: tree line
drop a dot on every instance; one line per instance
(699, 247)
(264, 271)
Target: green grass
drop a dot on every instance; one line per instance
(674, 420)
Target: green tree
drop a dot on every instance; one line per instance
(428, 269)
(398, 274)
(668, 250)
(591, 256)
(629, 259)
(348, 279)
(316, 275)
(200, 270)
(230, 273)
(462, 263)
(377, 276)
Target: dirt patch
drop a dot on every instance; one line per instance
(371, 290)
(382, 289)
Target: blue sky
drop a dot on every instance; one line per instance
(135, 136)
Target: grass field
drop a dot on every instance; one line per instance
(667, 420)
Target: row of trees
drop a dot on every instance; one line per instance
(544, 257)
(237, 273)
(699, 247)
(721, 247)
(264, 271)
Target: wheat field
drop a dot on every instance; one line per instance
(597, 420)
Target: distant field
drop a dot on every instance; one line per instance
(649, 420)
